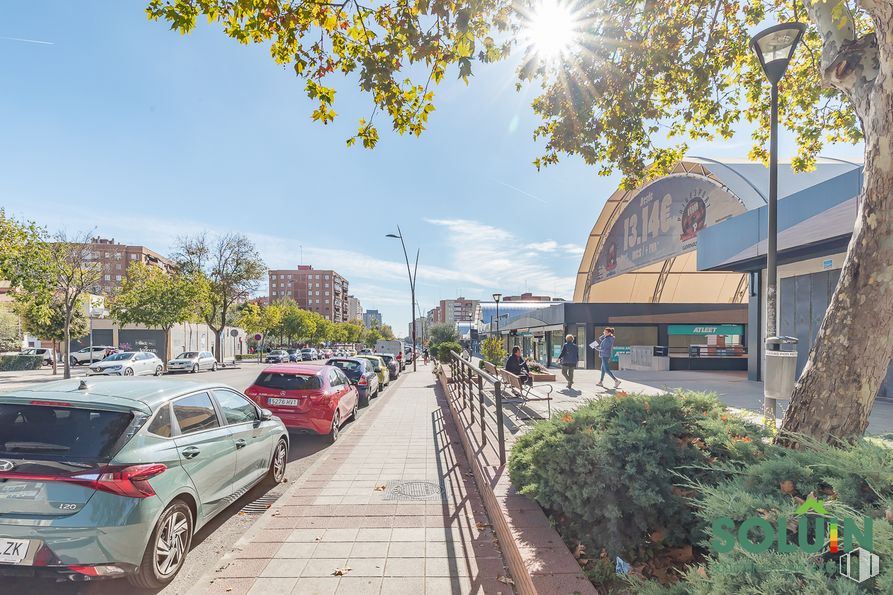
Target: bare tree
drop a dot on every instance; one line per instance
(233, 268)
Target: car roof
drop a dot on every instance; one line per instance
(294, 369)
(130, 393)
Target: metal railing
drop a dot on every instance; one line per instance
(482, 395)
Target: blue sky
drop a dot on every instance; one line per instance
(118, 125)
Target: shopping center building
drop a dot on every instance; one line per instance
(671, 264)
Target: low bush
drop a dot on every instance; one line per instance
(441, 351)
(493, 351)
(607, 473)
(17, 363)
(853, 482)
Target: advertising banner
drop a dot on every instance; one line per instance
(663, 220)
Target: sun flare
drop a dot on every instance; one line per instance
(551, 28)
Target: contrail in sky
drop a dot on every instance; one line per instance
(27, 40)
(525, 193)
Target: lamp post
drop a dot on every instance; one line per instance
(496, 298)
(774, 48)
(412, 275)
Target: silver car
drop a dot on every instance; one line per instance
(193, 361)
(128, 363)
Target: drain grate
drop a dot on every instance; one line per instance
(261, 505)
(401, 489)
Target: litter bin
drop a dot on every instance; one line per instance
(781, 368)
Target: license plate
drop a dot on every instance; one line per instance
(13, 551)
(282, 402)
(19, 491)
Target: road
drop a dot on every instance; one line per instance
(220, 534)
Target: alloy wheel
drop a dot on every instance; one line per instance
(279, 463)
(158, 370)
(336, 426)
(128, 371)
(171, 544)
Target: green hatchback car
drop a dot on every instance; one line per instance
(112, 477)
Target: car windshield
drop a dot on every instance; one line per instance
(376, 364)
(386, 358)
(288, 381)
(306, 350)
(120, 356)
(29, 352)
(188, 355)
(349, 367)
(60, 432)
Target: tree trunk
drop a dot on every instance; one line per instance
(55, 357)
(835, 393)
(66, 365)
(167, 346)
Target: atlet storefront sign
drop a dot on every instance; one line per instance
(663, 220)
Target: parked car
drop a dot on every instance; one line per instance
(128, 363)
(113, 478)
(308, 398)
(46, 354)
(361, 374)
(88, 355)
(365, 351)
(392, 363)
(327, 353)
(293, 355)
(309, 354)
(384, 376)
(277, 356)
(193, 361)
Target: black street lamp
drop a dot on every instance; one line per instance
(412, 275)
(774, 48)
(496, 298)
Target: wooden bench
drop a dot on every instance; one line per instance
(524, 391)
(490, 369)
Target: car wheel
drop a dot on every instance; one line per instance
(194, 368)
(336, 427)
(277, 465)
(355, 412)
(158, 370)
(128, 371)
(167, 549)
(72, 360)
(214, 367)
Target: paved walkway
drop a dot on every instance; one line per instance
(347, 526)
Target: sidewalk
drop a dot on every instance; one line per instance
(391, 509)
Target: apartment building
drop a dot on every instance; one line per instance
(354, 308)
(114, 258)
(372, 318)
(321, 291)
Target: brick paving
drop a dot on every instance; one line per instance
(341, 514)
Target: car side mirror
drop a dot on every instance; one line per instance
(266, 415)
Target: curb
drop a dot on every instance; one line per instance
(204, 582)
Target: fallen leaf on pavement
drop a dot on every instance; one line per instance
(505, 580)
(341, 571)
(379, 488)
(480, 525)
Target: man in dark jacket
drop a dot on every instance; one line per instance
(517, 366)
(568, 358)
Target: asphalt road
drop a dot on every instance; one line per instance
(215, 538)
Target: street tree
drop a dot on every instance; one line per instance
(442, 333)
(10, 329)
(24, 263)
(387, 332)
(233, 269)
(372, 337)
(52, 326)
(355, 331)
(155, 298)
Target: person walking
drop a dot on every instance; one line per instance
(568, 359)
(604, 346)
(517, 366)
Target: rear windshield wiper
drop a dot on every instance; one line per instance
(25, 446)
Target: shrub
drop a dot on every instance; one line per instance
(493, 351)
(441, 351)
(16, 363)
(608, 472)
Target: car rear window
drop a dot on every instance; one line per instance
(288, 381)
(350, 368)
(49, 432)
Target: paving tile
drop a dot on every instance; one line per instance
(369, 549)
(449, 586)
(374, 534)
(359, 585)
(405, 567)
(335, 549)
(284, 567)
(259, 550)
(452, 567)
(323, 566)
(366, 566)
(402, 585)
(248, 568)
(296, 550)
(408, 521)
(316, 585)
(341, 534)
(229, 586)
(408, 534)
(305, 535)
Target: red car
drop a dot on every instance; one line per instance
(318, 399)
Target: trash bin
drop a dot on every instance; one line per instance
(780, 373)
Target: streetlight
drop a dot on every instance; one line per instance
(774, 48)
(399, 235)
(496, 298)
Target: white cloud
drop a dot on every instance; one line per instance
(548, 246)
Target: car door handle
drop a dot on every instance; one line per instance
(190, 452)
(240, 443)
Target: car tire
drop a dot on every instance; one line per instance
(159, 370)
(278, 463)
(214, 367)
(194, 369)
(173, 530)
(128, 371)
(336, 427)
(71, 360)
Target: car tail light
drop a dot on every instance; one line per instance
(363, 381)
(97, 571)
(131, 481)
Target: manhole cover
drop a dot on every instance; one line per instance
(413, 490)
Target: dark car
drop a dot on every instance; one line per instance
(393, 364)
(294, 355)
(360, 373)
(309, 354)
(277, 356)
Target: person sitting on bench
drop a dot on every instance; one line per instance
(517, 366)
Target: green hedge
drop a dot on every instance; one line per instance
(15, 363)
(608, 472)
(441, 351)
